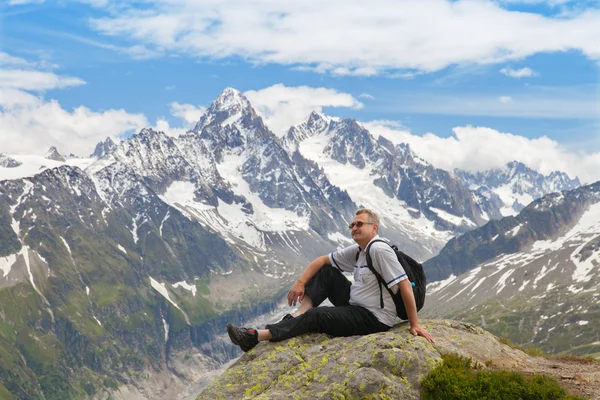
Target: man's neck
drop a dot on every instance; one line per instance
(363, 244)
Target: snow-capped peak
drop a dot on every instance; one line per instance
(53, 154)
(230, 108)
(103, 148)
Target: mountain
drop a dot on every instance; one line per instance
(119, 272)
(424, 205)
(516, 185)
(54, 155)
(103, 148)
(8, 162)
(533, 278)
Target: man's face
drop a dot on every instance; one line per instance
(366, 232)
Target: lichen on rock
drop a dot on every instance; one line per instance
(386, 365)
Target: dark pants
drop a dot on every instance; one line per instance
(342, 320)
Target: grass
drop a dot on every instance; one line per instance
(458, 379)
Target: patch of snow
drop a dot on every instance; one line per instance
(98, 321)
(453, 219)
(6, 263)
(87, 290)
(32, 165)
(582, 322)
(477, 284)
(134, 229)
(514, 231)
(122, 248)
(66, 245)
(439, 285)
(501, 284)
(341, 239)
(574, 289)
(264, 218)
(540, 276)
(166, 326)
(524, 285)
(186, 286)
(505, 192)
(161, 288)
(180, 194)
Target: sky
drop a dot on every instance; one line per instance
(469, 84)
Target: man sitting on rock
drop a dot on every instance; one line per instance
(357, 306)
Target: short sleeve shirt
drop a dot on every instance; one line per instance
(365, 288)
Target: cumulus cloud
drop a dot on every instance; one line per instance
(350, 37)
(282, 106)
(30, 124)
(480, 148)
(35, 80)
(189, 115)
(187, 112)
(519, 73)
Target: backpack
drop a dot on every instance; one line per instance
(414, 271)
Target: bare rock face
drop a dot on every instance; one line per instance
(384, 365)
(53, 154)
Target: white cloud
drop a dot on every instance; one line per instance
(350, 37)
(7, 59)
(519, 73)
(282, 106)
(480, 148)
(30, 124)
(163, 125)
(188, 112)
(568, 102)
(35, 80)
(366, 96)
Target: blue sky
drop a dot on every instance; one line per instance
(74, 72)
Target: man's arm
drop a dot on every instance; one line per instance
(408, 298)
(296, 293)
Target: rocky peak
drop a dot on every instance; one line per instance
(8, 162)
(229, 108)
(516, 184)
(103, 148)
(351, 143)
(53, 154)
(231, 124)
(313, 125)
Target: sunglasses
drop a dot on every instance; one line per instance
(359, 224)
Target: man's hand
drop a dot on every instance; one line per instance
(296, 294)
(420, 331)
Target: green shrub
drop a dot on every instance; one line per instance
(457, 379)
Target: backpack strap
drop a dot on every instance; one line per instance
(380, 279)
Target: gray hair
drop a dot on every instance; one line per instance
(374, 218)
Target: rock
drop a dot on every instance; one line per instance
(53, 154)
(383, 365)
(8, 162)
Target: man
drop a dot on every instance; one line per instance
(357, 308)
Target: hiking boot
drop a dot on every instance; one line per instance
(286, 317)
(243, 337)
